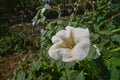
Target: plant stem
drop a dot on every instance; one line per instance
(108, 20)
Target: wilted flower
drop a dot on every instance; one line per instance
(72, 44)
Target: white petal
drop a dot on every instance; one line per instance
(68, 59)
(58, 39)
(43, 10)
(80, 33)
(80, 51)
(33, 23)
(71, 44)
(97, 52)
(69, 32)
(69, 27)
(65, 36)
(62, 54)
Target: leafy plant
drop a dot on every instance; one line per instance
(17, 42)
(104, 33)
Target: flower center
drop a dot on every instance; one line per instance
(70, 42)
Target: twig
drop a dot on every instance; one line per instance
(93, 5)
(108, 20)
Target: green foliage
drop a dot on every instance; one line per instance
(17, 42)
(105, 36)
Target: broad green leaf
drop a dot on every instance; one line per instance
(116, 38)
(81, 76)
(74, 74)
(21, 76)
(112, 62)
(105, 32)
(47, 6)
(108, 64)
(96, 28)
(115, 54)
(70, 64)
(91, 53)
(115, 61)
(105, 52)
(68, 74)
(104, 42)
(114, 74)
(94, 36)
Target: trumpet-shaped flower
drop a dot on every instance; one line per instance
(71, 44)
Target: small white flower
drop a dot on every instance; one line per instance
(71, 44)
(43, 10)
(33, 23)
(97, 52)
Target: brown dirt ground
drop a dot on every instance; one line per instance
(8, 64)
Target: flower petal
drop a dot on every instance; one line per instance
(80, 33)
(71, 44)
(97, 52)
(80, 51)
(63, 54)
(59, 39)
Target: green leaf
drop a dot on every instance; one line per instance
(70, 64)
(114, 74)
(81, 76)
(36, 65)
(94, 36)
(41, 20)
(104, 42)
(47, 6)
(21, 76)
(108, 64)
(115, 61)
(96, 28)
(74, 74)
(105, 32)
(91, 53)
(105, 52)
(116, 30)
(116, 49)
(100, 18)
(116, 38)
(68, 74)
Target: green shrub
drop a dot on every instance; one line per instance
(17, 42)
(104, 33)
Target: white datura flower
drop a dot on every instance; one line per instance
(71, 44)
